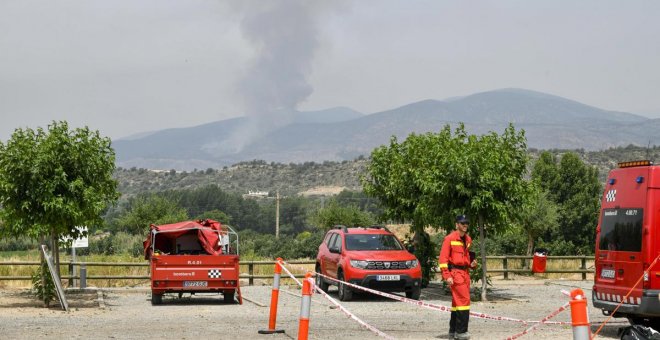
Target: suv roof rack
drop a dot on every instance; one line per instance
(380, 227)
(342, 227)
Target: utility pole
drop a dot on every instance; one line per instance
(277, 214)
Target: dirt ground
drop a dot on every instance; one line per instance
(128, 314)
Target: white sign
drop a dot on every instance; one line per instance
(81, 242)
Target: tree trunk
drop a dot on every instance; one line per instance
(42, 260)
(484, 272)
(530, 248)
(55, 252)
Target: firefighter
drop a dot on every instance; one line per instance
(454, 262)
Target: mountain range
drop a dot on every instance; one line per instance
(341, 133)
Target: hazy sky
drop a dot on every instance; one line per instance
(124, 67)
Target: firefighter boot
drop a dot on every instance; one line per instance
(462, 336)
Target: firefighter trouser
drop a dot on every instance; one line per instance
(460, 301)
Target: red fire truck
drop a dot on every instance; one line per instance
(193, 257)
(628, 243)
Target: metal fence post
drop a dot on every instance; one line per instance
(72, 281)
(251, 273)
(505, 266)
(83, 276)
(584, 267)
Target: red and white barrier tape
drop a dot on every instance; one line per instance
(550, 316)
(349, 314)
(282, 265)
(434, 306)
(440, 307)
(334, 302)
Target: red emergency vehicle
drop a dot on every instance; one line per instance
(193, 257)
(628, 242)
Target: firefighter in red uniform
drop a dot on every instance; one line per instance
(454, 262)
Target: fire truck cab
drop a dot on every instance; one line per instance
(627, 244)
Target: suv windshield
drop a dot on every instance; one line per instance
(372, 242)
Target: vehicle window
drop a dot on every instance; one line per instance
(372, 242)
(330, 238)
(621, 229)
(336, 242)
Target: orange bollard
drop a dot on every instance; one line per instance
(273, 301)
(305, 307)
(579, 315)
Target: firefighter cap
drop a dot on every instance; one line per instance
(462, 219)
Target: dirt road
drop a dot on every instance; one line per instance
(128, 314)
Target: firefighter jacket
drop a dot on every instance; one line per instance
(454, 253)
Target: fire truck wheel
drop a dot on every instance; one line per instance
(319, 280)
(156, 299)
(345, 293)
(228, 296)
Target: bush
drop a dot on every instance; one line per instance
(17, 244)
(44, 290)
(304, 245)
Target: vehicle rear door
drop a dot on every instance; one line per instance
(620, 245)
(332, 257)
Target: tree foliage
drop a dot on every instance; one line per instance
(539, 215)
(145, 210)
(428, 179)
(574, 187)
(335, 214)
(54, 180)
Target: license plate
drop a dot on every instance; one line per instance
(607, 273)
(195, 283)
(388, 277)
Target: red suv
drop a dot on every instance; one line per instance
(370, 257)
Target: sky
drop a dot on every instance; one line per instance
(129, 66)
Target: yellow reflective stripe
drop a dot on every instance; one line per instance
(453, 309)
(456, 243)
(444, 265)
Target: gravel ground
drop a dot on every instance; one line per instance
(128, 314)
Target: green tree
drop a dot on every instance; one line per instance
(538, 215)
(145, 210)
(54, 180)
(334, 214)
(574, 186)
(215, 215)
(429, 179)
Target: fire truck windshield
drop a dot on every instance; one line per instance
(621, 229)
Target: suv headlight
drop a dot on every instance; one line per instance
(359, 264)
(412, 263)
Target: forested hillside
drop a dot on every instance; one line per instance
(288, 179)
(293, 178)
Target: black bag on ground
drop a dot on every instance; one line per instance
(638, 332)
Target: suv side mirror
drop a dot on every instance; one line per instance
(335, 250)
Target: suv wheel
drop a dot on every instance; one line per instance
(414, 293)
(345, 293)
(320, 282)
